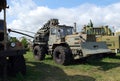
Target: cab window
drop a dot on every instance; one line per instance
(53, 31)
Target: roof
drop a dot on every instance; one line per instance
(3, 4)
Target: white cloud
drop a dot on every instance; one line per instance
(27, 15)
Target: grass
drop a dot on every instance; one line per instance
(106, 69)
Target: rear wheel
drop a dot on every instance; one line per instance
(16, 65)
(39, 53)
(62, 55)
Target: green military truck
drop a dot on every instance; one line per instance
(64, 44)
(11, 52)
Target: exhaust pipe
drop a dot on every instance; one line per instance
(75, 29)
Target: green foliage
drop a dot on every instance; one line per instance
(24, 42)
(13, 39)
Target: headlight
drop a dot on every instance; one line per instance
(13, 44)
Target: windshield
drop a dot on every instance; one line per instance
(98, 31)
(62, 31)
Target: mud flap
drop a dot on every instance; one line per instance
(91, 48)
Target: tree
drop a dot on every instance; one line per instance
(24, 42)
(13, 39)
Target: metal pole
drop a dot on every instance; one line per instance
(3, 6)
(5, 30)
(5, 47)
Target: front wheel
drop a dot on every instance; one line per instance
(39, 53)
(62, 55)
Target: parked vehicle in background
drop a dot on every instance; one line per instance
(105, 34)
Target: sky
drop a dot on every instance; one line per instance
(31, 15)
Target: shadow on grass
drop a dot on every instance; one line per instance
(37, 71)
(98, 62)
(116, 57)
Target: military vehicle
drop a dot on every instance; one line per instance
(64, 44)
(11, 52)
(104, 33)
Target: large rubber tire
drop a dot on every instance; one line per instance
(39, 53)
(16, 65)
(62, 55)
